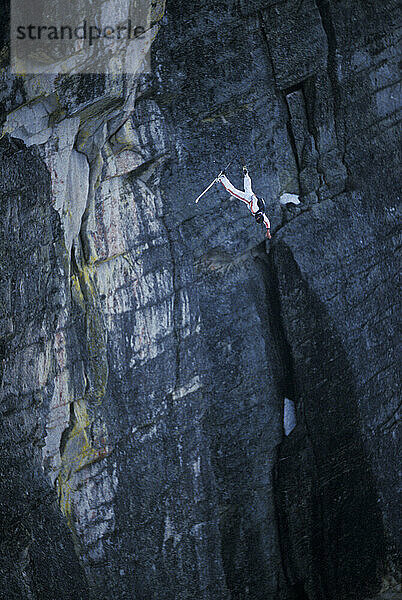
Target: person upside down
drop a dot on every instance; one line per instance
(255, 205)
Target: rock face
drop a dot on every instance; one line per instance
(148, 344)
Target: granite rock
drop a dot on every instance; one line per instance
(189, 410)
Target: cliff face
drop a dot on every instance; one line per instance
(148, 344)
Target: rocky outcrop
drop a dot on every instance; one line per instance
(154, 352)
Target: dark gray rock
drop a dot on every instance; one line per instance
(147, 344)
(37, 552)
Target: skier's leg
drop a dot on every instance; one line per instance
(247, 184)
(232, 190)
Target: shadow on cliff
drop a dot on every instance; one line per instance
(330, 527)
(37, 556)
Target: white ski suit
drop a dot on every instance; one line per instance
(248, 197)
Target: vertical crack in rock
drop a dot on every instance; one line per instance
(323, 482)
(302, 77)
(176, 306)
(303, 140)
(2, 359)
(287, 384)
(290, 131)
(65, 436)
(293, 185)
(261, 25)
(283, 364)
(283, 373)
(324, 9)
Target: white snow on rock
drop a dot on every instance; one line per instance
(289, 199)
(289, 416)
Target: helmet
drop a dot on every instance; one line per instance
(259, 217)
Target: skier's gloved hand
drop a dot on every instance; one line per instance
(245, 171)
(268, 234)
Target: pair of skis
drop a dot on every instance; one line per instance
(214, 181)
(209, 187)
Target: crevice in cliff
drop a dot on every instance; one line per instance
(147, 167)
(2, 360)
(323, 487)
(284, 361)
(283, 372)
(261, 23)
(83, 236)
(281, 95)
(291, 135)
(176, 304)
(309, 96)
(325, 13)
(66, 433)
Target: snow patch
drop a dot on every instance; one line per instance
(289, 199)
(289, 416)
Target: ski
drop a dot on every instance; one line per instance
(208, 188)
(214, 181)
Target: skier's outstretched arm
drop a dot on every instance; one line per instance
(268, 226)
(232, 190)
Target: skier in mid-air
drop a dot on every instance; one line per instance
(255, 205)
